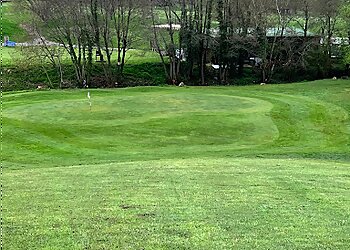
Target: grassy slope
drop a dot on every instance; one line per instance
(171, 168)
(11, 23)
(21, 73)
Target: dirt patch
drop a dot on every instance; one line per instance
(145, 215)
(126, 206)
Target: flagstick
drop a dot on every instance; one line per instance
(89, 97)
(88, 94)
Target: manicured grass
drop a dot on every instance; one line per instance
(259, 167)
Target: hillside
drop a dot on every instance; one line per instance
(14, 23)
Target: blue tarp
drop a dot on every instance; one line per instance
(10, 44)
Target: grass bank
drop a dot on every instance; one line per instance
(14, 22)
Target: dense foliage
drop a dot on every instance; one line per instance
(198, 41)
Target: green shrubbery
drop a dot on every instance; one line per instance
(19, 77)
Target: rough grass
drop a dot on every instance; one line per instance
(259, 167)
(141, 68)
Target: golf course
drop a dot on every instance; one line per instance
(249, 167)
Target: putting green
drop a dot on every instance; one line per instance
(122, 121)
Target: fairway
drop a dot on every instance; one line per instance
(258, 167)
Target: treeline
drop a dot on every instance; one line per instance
(198, 41)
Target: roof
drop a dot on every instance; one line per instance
(167, 26)
(270, 32)
(287, 32)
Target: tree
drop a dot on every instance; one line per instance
(122, 14)
(65, 22)
(164, 38)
